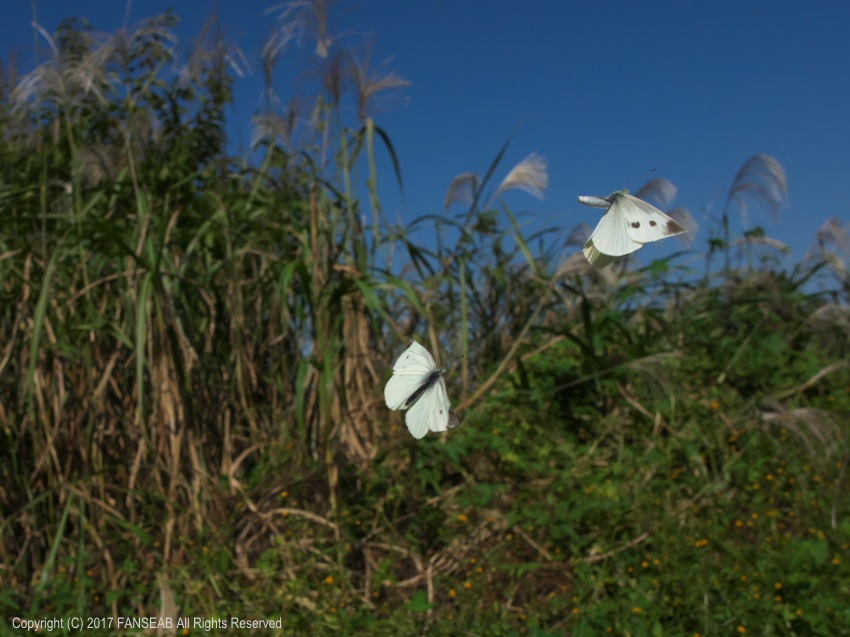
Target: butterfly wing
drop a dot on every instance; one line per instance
(643, 222)
(610, 238)
(409, 373)
(432, 412)
(596, 258)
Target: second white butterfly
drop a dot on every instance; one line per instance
(627, 224)
(417, 385)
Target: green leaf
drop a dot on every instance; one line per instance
(527, 567)
(819, 551)
(419, 602)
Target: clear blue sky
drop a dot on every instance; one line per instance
(605, 91)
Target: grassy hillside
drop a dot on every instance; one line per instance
(193, 348)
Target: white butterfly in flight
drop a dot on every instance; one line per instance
(417, 385)
(627, 224)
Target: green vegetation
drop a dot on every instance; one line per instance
(193, 349)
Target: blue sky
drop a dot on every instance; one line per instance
(605, 91)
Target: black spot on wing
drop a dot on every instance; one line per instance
(635, 224)
(673, 227)
(653, 224)
(454, 421)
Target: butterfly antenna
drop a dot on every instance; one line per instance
(453, 361)
(457, 359)
(629, 183)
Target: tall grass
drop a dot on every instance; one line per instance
(193, 348)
